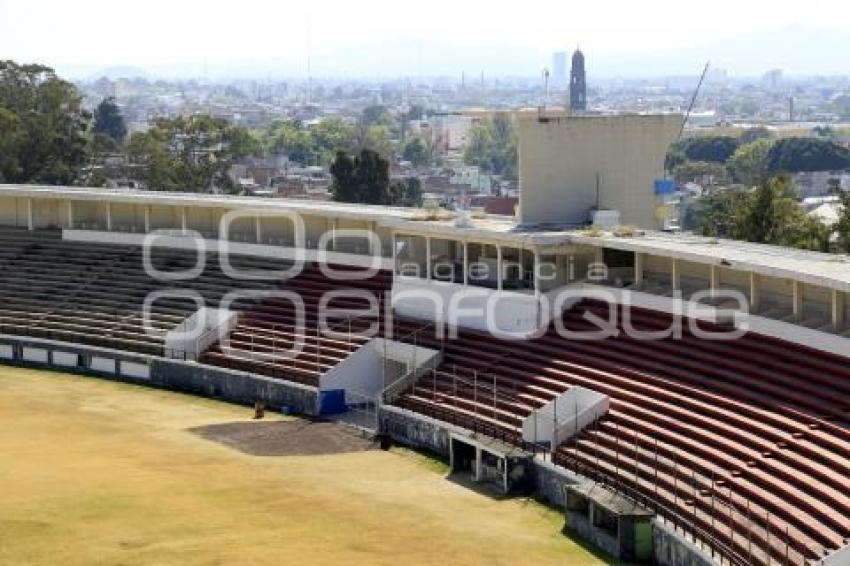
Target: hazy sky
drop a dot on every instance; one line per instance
(159, 33)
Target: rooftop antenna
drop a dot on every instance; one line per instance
(693, 100)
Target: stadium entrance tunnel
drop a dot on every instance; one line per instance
(611, 522)
(490, 462)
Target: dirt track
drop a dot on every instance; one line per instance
(287, 438)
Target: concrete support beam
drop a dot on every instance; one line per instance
(755, 292)
(70, 215)
(428, 258)
(600, 255)
(714, 277)
(30, 216)
(465, 264)
(499, 267)
(838, 299)
(370, 226)
(258, 229)
(147, 219)
(640, 259)
(536, 275)
(675, 282)
(222, 229)
(478, 461)
(184, 220)
(108, 217)
(797, 299)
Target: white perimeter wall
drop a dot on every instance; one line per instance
(362, 371)
(235, 248)
(560, 419)
(504, 313)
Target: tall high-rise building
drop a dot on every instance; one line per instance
(559, 69)
(578, 83)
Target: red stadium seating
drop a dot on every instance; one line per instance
(746, 440)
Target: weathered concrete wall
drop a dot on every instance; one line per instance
(227, 385)
(563, 160)
(671, 549)
(418, 431)
(582, 527)
(233, 386)
(65, 356)
(549, 482)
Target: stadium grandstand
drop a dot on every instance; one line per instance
(705, 380)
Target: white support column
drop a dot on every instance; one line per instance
(639, 261)
(109, 216)
(184, 220)
(258, 229)
(465, 264)
(222, 229)
(797, 299)
(30, 218)
(674, 275)
(714, 277)
(837, 309)
(428, 258)
(70, 215)
(373, 233)
(599, 256)
(394, 255)
(478, 459)
(535, 276)
(499, 269)
(147, 219)
(333, 233)
(755, 292)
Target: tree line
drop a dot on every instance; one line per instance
(754, 157)
(769, 214)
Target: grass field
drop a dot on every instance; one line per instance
(95, 472)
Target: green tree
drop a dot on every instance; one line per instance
(378, 138)
(42, 126)
(331, 135)
(405, 192)
(11, 134)
(493, 146)
(109, 121)
(793, 155)
(416, 152)
(771, 215)
(712, 214)
(749, 162)
(286, 137)
(191, 154)
(842, 226)
(717, 149)
(363, 179)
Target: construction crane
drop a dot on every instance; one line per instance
(693, 101)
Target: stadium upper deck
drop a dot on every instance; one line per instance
(447, 255)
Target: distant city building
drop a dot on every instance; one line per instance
(578, 83)
(772, 80)
(559, 69)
